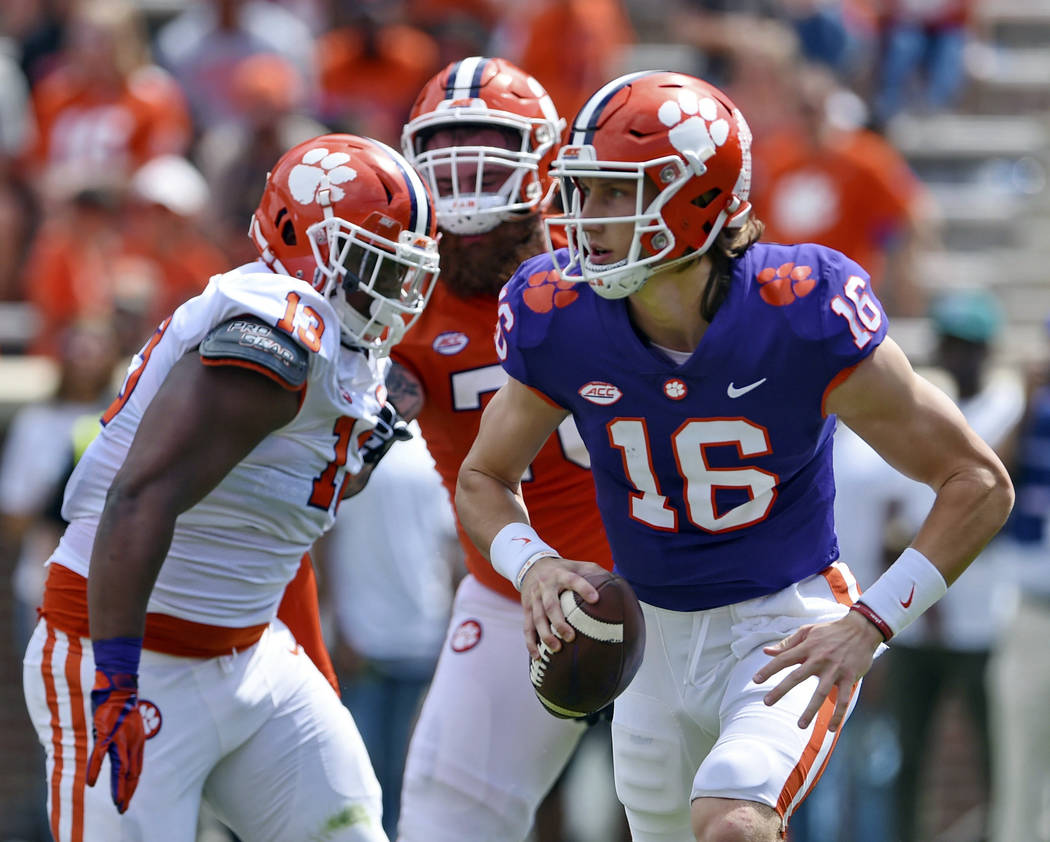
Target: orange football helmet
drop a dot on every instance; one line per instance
(476, 187)
(674, 132)
(350, 216)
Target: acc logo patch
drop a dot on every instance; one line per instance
(601, 393)
(450, 342)
(675, 389)
(151, 718)
(466, 636)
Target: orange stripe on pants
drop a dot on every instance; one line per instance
(56, 731)
(797, 779)
(70, 670)
(80, 751)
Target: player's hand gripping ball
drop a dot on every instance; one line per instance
(587, 674)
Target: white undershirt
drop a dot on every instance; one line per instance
(677, 357)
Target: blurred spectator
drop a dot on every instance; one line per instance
(167, 211)
(111, 249)
(104, 107)
(373, 63)
(38, 455)
(828, 32)
(389, 583)
(460, 28)
(269, 99)
(68, 272)
(41, 445)
(572, 47)
(37, 27)
(947, 649)
(17, 206)
(921, 57)
(203, 45)
(1019, 672)
(824, 31)
(819, 177)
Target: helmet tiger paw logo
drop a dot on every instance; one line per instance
(780, 285)
(547, 290)
(696, 130)
(320, 168)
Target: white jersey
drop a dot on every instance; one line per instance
(233, 552)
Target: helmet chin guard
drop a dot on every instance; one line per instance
(377, 286)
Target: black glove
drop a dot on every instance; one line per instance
(389, 428)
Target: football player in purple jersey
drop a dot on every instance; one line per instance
(705, 371)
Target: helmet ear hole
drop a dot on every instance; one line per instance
(287, 228)
(707, 197)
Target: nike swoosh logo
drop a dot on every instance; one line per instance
(906, 602)
(734, 392)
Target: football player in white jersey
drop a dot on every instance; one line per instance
(246, 417)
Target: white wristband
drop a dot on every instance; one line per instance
(515, 549)
(910, 586)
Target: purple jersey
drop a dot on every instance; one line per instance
(713, 477)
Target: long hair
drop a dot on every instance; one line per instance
(730, 245)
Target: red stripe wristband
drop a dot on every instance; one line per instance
(873, 618)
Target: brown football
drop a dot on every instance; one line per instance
(587, 674)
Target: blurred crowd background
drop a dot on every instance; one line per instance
(914, 135)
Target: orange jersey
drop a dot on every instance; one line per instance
(450, 349)
(300, 611)
(854, 196)
(123, 129)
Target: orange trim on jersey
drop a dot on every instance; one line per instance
(56, 731)
(65, 608)
(838, 584)
(273, 375)
(80, 740)
(542, 396)
(837, 380)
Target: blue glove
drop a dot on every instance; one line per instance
(118, 728)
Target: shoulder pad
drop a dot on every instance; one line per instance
(249, 342)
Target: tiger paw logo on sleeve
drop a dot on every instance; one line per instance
(781, 285)
(547, 290)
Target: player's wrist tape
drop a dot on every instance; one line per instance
(910, 586)
(115, 655)
(515, 549)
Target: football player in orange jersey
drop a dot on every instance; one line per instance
(484, 752)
